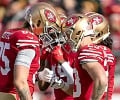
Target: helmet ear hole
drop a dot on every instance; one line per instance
(38, 23)
(78, 33)
(98, 35)
(101, 32)
(80, 17)
(75, 38)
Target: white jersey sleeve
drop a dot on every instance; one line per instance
(25, 57)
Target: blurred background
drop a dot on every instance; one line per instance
(12, 16)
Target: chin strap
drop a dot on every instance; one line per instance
(106, 35)
(31, 22)
(102, 38)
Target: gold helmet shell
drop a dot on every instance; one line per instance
(75, 28)
(41, 15)
(100, 26)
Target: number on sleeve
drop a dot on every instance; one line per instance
(3, 47)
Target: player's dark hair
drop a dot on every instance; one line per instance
(27, 25)
(107, 42)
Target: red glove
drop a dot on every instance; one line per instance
(44, 54)
(58, 54)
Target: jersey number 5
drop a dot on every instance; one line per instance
(4, 58)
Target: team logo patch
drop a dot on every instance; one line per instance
(96, 20)
(62, 19)
(72, 20)
(50, 16)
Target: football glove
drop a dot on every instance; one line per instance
(58, 83)
(58, 54)
(45, 75)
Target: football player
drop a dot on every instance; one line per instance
(52, 24)
(95, 18)
(20, 53)
(92, 61)
(60, 76)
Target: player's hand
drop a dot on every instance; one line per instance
(58, 54)
(57, 83)
(44, 54)
(45, 75)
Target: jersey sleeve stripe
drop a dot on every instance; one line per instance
(25, 44)
(110, 61)
(111, 58)
(88, 60)
(80, 57)
(101, 58)
(91, 51)
(109, 54)
(28, 41)
(88, 54)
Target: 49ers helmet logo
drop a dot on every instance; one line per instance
(97, 20)
(50, 16)
(72, 20)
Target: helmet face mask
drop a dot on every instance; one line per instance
(51, 37)
(68, 38)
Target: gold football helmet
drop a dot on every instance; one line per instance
(76, 27)
(100, 26)
(45, 22)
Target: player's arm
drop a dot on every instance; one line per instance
(47, 77)
(111, 71)
(59, 57)
(21, 72)
(69, 86)
(97, 73)
(44, 73)
(70, 90)
(42, 84)
(44, 78)
(57, 83)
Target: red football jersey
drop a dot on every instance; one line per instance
(11, 43)
(59, 72)
(83, 83)
(111, 63)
